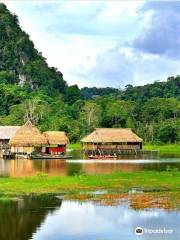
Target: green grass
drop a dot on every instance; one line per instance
(166, 148)
(121, 181)
(74, 146)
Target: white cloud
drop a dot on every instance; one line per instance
(121, 66)
(89, 42)
(114, 12)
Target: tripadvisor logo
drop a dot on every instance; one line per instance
(138, 231)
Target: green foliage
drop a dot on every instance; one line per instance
(119, 113)
(167, 133)
(90, 93)
(168, 89)
(7, 77)
(9, 96)
(72, 94)
(20, 62)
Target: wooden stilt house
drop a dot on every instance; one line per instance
(27, 139)
(6, 133)
(111, 141)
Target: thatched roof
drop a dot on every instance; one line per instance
(7, 132)
(56, 137)
(111, 135)
(28, 135)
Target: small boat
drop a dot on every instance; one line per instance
(102, 157)
(50, 157)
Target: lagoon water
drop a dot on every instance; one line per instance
(48, 218)
(51, 218)
(76, 166)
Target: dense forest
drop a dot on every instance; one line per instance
(30, 89)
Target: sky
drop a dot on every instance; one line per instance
(105, 43)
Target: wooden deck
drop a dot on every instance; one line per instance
(118, 152)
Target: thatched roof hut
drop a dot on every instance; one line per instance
(112, 135)
(28, 135)
(56, 138)
(7, 132)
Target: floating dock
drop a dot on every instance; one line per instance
(50, 157)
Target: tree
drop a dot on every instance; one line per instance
(72, 94)
(167, 134)
(118, 113)
(90, 117)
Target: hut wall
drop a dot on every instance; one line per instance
(22, 149)
(56, 150)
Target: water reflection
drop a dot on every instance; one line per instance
(24, 167)
(88, 221)
(106, 168)
(19, 219)
(48, 219)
